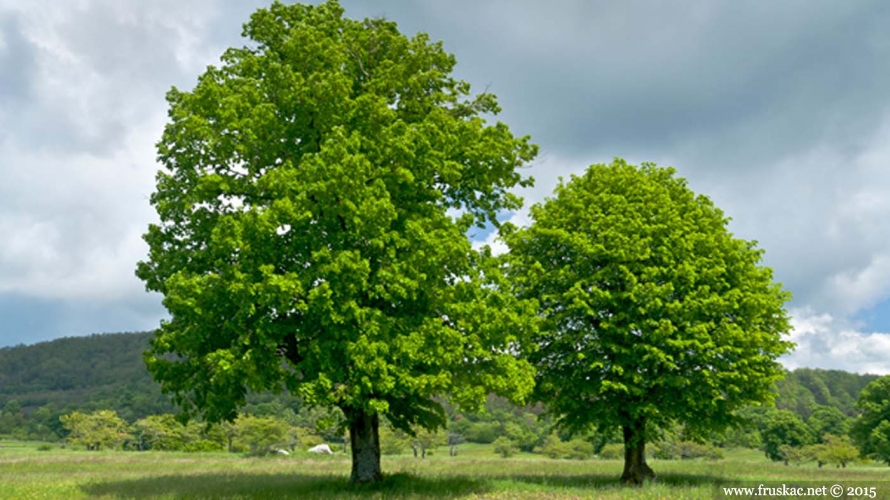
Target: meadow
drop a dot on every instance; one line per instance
(28, 472)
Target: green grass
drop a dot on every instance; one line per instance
(29, 473)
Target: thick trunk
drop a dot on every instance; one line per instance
(365, 442)
(636, 470)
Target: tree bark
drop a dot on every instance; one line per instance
(636, 470)
(364, 440)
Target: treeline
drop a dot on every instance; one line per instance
(82, 373)
(47, 388)
(826, 437)
(107, 372)
(804, 390)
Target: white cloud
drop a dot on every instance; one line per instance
(824, 341)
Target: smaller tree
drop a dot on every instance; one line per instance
(654, 314)
(392, 442)
(261, 435)
(426, 440)
(158, 432)
(554, 447)
(504, 447)
(838, 450)
(794, 454)
(786, 428)
(97, 430)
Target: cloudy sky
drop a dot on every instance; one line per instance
(780, 111)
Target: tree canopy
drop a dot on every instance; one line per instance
(316, 192)
(872, 428)
(654, 313)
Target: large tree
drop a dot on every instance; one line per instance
(315, 198)
(655, 314)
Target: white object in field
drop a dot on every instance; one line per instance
(322, 448)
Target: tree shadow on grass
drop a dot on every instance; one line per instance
(598, 481)
(247, 485)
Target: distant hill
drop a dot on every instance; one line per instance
(95, 372)
(107, 372)
(805, 388)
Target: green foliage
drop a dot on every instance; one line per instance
(261, 435)
(612, 451)
(159, 432)
(784, 428)
(97, 372)
(804, 390)
(504, 447)
(165, 433)
(577, 449)
(554, 447)
(828, 420)
(481, 432)
(427, 440)
(685, 450)
(871, 430)
(838, 450)
(654, 313)
(393, 442)
(97, 430)
(307, 438)
(306, 239)
(794, 454)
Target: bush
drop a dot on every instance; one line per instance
(554, 447)
(392, 442)
(714, 453)
(689, 450)
(579, 449)
(665, 451)
(613, 451)
(44, 447)
(504, 447)
(685, 450)
(482, 432)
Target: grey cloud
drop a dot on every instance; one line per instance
(17, 72)
(778, 110)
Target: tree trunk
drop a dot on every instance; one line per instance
(365, 443)
(636, 470)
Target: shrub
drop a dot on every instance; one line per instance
(392, 442)
(579, 449)
(554, 447)
(482, 432)
(504, 447)
(613, 451)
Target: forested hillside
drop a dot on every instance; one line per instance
(95, 372)
(107, 372)
(802, 390)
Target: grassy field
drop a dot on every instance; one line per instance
(29, 473)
